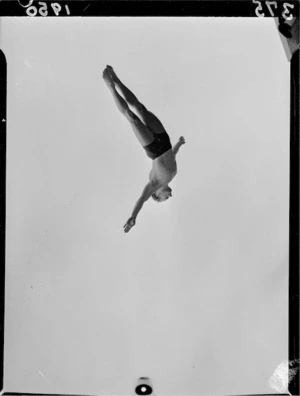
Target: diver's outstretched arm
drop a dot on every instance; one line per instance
(148, 191)
(177, 146)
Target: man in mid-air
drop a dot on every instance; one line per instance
(153, 137)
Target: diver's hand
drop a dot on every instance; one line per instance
(130, 223)
(182, 140)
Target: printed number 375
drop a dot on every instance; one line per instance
(286, 14)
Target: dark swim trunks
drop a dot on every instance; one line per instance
(159, 146)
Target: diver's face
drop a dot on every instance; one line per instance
(165, 194)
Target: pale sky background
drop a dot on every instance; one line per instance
(196, 295)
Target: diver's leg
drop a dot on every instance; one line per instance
(128, 95)
(149, 118)
(142, 132)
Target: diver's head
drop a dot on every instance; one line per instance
(162, 194)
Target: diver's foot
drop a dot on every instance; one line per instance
(113, 74)
(108, 79)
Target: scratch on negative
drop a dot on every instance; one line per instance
(87, 7)
(43, 376)
(27, 63)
